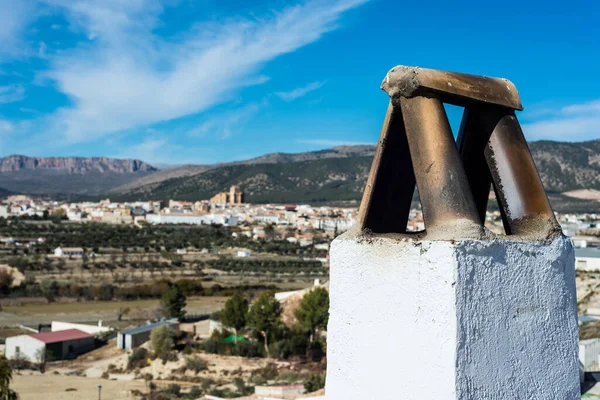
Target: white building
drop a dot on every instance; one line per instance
(192, 219)
(270, 219)
(57, 326)
(281, 390)
(244, 253)
(54, 345)
(4, 211)
(133, 338)
(587, 259)
(68, 252)
(589, 350)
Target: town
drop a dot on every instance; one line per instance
(141, 297)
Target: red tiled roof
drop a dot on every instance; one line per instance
(61, 336)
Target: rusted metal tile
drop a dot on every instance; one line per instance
(452, 87)
(518, 186)
(388, 194)
(443, 186)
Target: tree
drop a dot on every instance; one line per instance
(174, 301)
(122, 312)
(264, 316)
(162, 340)
(313, 313)
(235, 313)
(5, 378)
(42, 356)
(6, 281)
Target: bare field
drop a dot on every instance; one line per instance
(86, 311)
(50, 386)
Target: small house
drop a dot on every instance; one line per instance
(133, 338)
(61, 345)
(68, 252)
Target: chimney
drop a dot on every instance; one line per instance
(454, 312)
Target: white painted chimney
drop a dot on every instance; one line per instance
(454, 312)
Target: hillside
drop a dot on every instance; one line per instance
(334, 175)
(4, 193)
(73, 175)
(565, 166)
(273, 158)
(329, 179)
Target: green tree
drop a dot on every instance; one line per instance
(162, 340)
(235, 313)
(265, 317)
(5, 378)
(313, 313)
(314, 383)
(174, 301)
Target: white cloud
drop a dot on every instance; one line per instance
(11, 93)
(127, 77)
(592, 106)
(157, 150)
(42, 50)
(299, 92)
(6, 126)
(332, 143)
(576, 122)
(14, 18)
(226, 124)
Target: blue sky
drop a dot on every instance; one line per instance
(203, 81)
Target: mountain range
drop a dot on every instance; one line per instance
(333, 175)
(68, 176)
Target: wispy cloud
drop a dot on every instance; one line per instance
(127, 77)
(14, 18)
(225, 124)
(331, 143)
(11, 93)
(6, 126)
(575, 122)
(156, 148)
(299, 92)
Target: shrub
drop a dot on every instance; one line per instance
(242, 388)
(314, 383)
(138, 359)
(162, 340)
(262, 375)
(195, 392)
(173, 389)
(247, 349)
(196, 364)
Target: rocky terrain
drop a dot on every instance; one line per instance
(68, 175)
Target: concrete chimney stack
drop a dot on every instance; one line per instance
(454, 312)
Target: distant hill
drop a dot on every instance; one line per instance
(68, 175)
(340, 174)
(565, 166)
(332, 175)
(273, 158)
(320, 180)
(4, 193)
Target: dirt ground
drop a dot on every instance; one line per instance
(54, 387)
(92, 311)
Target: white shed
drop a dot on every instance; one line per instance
(24, 347)
(57, 345)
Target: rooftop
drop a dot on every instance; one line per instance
(61, 336)
(149, 327)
